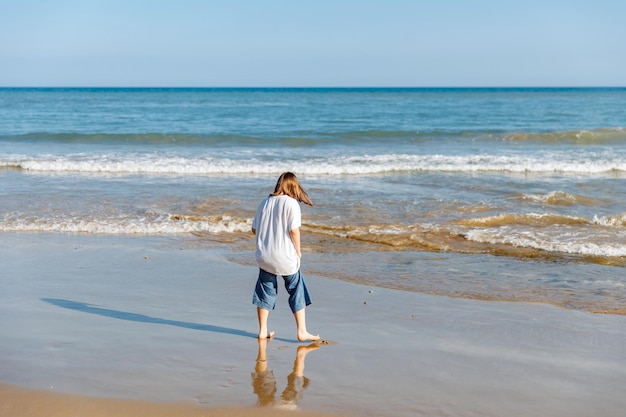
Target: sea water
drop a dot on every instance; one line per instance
(496, 194)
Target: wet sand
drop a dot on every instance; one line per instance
(108, 325)
(16, 401)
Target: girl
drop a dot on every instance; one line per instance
(277, 228)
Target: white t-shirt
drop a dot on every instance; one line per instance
(274, 219)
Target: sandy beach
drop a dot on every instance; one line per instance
(123, 325)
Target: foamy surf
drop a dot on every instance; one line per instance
(556, 198)
(154, 225)
(150, 163)
(544, 232)
(586, 242)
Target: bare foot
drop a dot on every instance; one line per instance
(266, 336)
(306, 336)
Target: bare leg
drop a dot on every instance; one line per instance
(303, 334)
(263, 314)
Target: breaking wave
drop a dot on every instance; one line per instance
(581, 163)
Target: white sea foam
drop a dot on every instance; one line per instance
(552, 241)
(161, 225)
(611, 221)
(561, 198)
(153, 163)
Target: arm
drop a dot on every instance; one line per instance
(295, 238)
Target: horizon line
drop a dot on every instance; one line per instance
(312, 87)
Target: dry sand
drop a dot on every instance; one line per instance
(114, 326)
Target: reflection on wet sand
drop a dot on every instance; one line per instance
(264, 382)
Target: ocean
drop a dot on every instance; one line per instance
(502, 194)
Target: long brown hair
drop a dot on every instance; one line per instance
(288, 184)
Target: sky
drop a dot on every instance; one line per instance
(312, 43)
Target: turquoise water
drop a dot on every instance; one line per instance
(482, 193)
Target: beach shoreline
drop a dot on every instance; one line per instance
(18, 401)
(164, 319)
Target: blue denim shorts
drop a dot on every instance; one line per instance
(267, 288)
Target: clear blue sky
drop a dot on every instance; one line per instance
(312, 43)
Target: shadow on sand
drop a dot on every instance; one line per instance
(124, 315)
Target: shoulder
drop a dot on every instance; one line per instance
(264, 202)
(289, 201)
